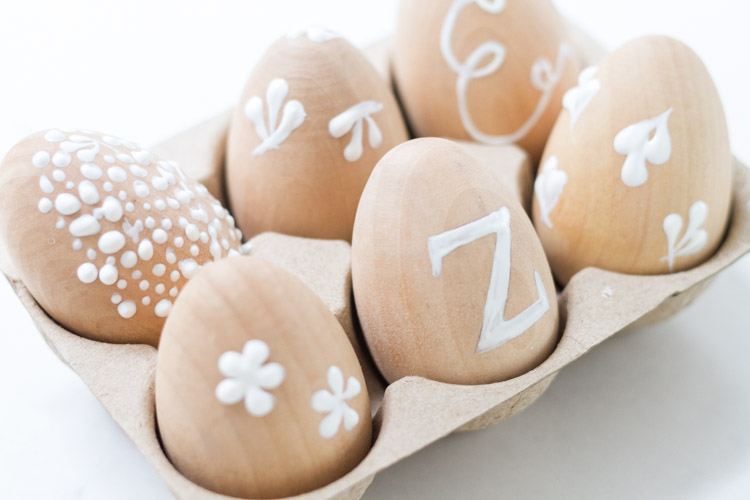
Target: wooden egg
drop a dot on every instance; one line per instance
(258, 391)
(493, 71)
(450, 280)
(104, 233)
(314, 119)
(637, 173)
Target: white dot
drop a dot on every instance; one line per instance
(192, 232)
(70, 185)
(108, 274)
(143, 285)
(146, 301)
(173, 291)
(67, 204)
(58, 175)
(138, 171)
(225, 244)
(109, 159)
(160, 204)
(124, 158)
(111, 242)
(160, 236)
(92, 172)
(90, 253)
(129, 207)
(87, 272)
(122, 284)
(112, 209)
(179, 242)
(141, 189)
(129, 259)
(145, 249)
(171, 257)
(88, 193)
(174, 204)
(54, 136)
(40, 159)
(137, 274)
(150, 223)
(159, 183)
(60, 223)
(122, 195)
(85, 225)
(159, 270)
(116, 298)
(127, 309)
(159, 288)
(111, 260)
(163, 308)
(45, 205)
(117, 174)
(174, 275)
(77, 244)
(61, 159)
(108, 187)
(194, 250)
(45, 184)
(166, 224)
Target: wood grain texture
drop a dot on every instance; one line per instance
(601, 222)
(307, 187)
(419, 324)
(224, 448)
(499, 103)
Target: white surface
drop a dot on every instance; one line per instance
(658, 413)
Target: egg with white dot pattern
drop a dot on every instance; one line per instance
(104, 233)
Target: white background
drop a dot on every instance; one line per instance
(662, 412)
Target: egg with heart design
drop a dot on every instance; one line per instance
(313, 120)
(637, 173)
(104, 233)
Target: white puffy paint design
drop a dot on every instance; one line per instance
(577, 99)
(334, 403)
(636, 142)
(548, 187)
(694, 239)
(496, 330)
(249, 377)
(106, 222)
(353, 120)
(274, 134)
(544, 76)
(315, 33)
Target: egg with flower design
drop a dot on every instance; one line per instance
(104, 233)
(273, 366)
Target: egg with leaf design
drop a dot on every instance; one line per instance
(104, 233)
(259, 393)
(313, 120)
(637, 173)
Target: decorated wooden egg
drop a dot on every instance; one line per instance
(258, 391)
(492, 71)
(104, 233)
(450, 280)
(637, 173)
(314, 119)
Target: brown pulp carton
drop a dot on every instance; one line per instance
(412, 412)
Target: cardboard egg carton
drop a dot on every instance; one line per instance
(412, 412)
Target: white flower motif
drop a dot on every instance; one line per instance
(636, 142)
(249, 378)
(352, 120)
(293, 116)
(334, 403)
(694, 238)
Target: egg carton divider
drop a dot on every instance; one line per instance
(122, 376)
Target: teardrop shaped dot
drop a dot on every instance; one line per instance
(127, 309)
(45, 184)
(87, 272)
(61, 159)
(91, 171)
(40, 159)
(67, 204)
(85, 225)
(88, 192)
(111, 242)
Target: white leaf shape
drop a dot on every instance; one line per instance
(636, 142)
(694, 239)
(249, 377)
(577, 99)
(334, 403)
(293, 116)
(548, 187)
(352, 120)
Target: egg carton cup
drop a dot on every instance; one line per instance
(413, 412)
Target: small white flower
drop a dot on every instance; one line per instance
(334, 403)
(292, 116)
(694, 238)
(248, 378)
